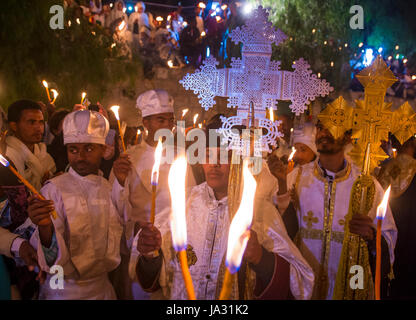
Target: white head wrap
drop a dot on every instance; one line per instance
(85, 126)
(306, 135)
(154, 102)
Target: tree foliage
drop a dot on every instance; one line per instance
(75, 59)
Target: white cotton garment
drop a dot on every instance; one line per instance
(207, 228)
(311, 192)
(88, 232)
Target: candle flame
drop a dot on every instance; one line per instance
(83, 95)
(223, 7)
(122, 25)
(159, 19)
(176, 181)
(238, 234)
(170, 64)
(78, 21)
(200, 125)
(4, 161)
(195, 117)
(45, 84)
(382, 207)
(271, 114)
(292, 154)
(138, 131)
(218, 18)
(203, 34)
(55, 94)
(184, 111)
(202, 5)
(115, 111)
(156, 165)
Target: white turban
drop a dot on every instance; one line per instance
(85, 126)
(154, 102)
(306, 135)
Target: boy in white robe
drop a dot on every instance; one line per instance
(85, 237)
(272, 267)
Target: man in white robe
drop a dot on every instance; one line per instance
(272, 267)
(319, 197)
(85, 237)
(132, 186)
(28, 155)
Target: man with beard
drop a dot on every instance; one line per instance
(400, 173)
(84, 239)
(321, 196)
(24, 149)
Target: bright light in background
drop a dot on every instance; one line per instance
(397, 56)
(203, 34)
(130, 8)
(159, 19)
(368, 58)
(111, 5)
(170, 64)
(390, 57)
(360, 45)
(397, 47)
(380, 50)
(405, 61)
(122, 25)
(414, 78)
(218, 18)
(185, 24)
(169, 17)
(124, 10)
(214, 5)
(223, 7)
(247, 8)
(332, 63)
(202, 5)
(208, 52)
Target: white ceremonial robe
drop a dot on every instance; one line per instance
(88, 233)
(207, 225)
(311, 192)
(32, 166)
(134, 200)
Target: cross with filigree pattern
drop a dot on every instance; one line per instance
(257, 79)
(372, 118)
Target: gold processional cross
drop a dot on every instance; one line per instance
(372, 118)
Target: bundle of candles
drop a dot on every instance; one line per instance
(6, 163)
(239, 228)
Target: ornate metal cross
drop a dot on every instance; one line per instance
(257, 79)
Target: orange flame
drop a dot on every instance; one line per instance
(115, 111)
(292, 154)
(238, 235)
(382, 207)
(195, 117)
(176, 181)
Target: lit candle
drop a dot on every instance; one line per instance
(6, 163)
(45, 84)
(394, 150)
(291, 137)
(55, 95)
(239, 232)
(83, 95)
(202, 5)
(155, 178)
(195, 117)
(200, 125)
(137, 136)
(176, 181)
(271, 114)
(115, 111)
(381, 212)
(184, 112)
(291, 163)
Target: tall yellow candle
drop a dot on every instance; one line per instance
(176, 181)
(115, 111)
(381, 212)
(6, 163)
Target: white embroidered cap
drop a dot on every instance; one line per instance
(85, 126)
(154, 102)
(306, 135)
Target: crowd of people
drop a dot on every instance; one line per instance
(171, 40)
(93, 218)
